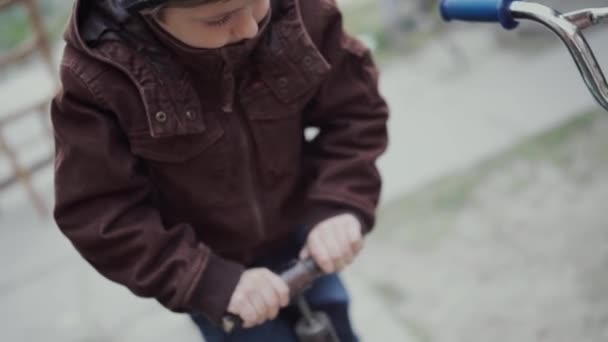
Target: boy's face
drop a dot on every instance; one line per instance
(216, 24)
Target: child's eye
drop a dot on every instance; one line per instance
(219, 22)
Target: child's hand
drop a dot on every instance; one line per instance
(258, 297)
(334, 243)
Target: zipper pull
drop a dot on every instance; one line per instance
(228, 89)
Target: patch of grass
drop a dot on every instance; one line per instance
(420, 333)
(436, 202)
(389, 292)
(15, 27)
(364, 19)
(58, 23)
(547, 144)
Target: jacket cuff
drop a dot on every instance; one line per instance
(319, 212)
(216, 285)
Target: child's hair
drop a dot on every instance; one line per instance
(156, 11)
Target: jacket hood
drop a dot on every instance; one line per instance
(94, 20)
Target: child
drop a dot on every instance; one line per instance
(182, 169)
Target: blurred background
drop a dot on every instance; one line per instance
(493, 222)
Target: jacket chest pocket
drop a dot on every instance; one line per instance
(176, 145)
(183, 163)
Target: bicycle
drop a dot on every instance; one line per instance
(568, 26)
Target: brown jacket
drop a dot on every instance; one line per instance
(176, 167)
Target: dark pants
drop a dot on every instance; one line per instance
(327, 294)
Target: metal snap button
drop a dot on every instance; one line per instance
(307, 61)
(283, 82)
(191, 115)
(161, 116)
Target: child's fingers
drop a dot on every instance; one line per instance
(331, 238)
(348, 253)
(280, 288)
(237, 302)
(269, 297)
(248, 314)
(320, 252)
(355, 238)
(258, 297)
(241, 306)
(258, 303)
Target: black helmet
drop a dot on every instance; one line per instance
(138, 5)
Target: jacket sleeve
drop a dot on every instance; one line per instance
(351, 117)
(104, 207)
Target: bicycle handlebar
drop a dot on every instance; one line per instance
(493, 11)
(569, 27)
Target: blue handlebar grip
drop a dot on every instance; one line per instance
(494, 11)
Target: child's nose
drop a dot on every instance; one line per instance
(245, 27)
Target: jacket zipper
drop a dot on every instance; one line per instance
(249, 177)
